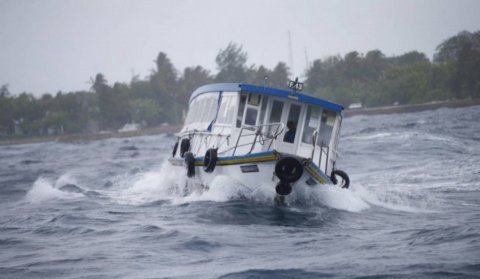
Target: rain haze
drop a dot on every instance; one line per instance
(53, 45)
(175, 141)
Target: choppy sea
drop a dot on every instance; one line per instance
(114, 208)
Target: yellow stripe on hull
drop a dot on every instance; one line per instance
(266, 158)
(239, 161)
(247, 160)
(315, 174)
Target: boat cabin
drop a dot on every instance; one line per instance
(239, 119)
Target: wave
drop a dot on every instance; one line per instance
(44, 189)
(170, 183)
(64, 187)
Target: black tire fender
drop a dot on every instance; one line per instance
(175, 147)
(346, 180)
(210, 160)
(190, 164)
(288, 169)
(184, 147)
(283, 188)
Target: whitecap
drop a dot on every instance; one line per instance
(43, 190)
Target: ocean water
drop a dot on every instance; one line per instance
(115, 209)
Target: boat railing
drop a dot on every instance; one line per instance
(314, 142)
(324, 150)
(261, 133)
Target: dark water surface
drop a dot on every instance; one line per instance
(113, 209)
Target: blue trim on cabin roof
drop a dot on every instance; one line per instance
(274, 92)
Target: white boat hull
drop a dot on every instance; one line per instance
(254, 170)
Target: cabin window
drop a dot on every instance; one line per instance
(275, 117)
(263, 110)
(276, 114)
(252, 109)
(227, 109)
(292, 123)
(254, 99)
(209, 108)
(251, 116)
(311, 124)
(326, 127)
(241, 108)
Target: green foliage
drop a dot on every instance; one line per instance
(462, 53)
(165, 88)
(144, 110)
(371, 79)
(231, 64)
(376, 80)
(4, 92)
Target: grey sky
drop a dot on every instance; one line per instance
(52, 45)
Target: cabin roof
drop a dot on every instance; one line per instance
(287, 94)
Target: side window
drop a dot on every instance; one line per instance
(252, 109)
(251, 116)
(263, 110)
(241, 108)
(311, 123)
(222, 110)
(231, 109)
(275, 117)
(292, 122)
(227, 109)
(326, 127)
(276, 114)
(254, 99)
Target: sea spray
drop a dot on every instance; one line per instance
(44, 189)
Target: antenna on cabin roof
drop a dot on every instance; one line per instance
(295, 85)
(307, 62)
(290, 53)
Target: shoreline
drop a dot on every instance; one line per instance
(174, 129)
(412, 108)
(90, 137)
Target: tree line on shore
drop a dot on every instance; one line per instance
(370, 79)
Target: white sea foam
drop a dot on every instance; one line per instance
(399, 199)
(44, 189)
(221, 189)
(170, 183)
(328, 195)
(158, 184)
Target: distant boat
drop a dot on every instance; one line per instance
(260, 135)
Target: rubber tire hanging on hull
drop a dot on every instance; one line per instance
(283, 188)
(288, 169)
(210, 160)
(343, 175)
(184, 147)
(190, 164)
(175, 147)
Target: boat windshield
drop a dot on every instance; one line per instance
(203, 108)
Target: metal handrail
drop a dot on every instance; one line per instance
(314, 141)
(321, 155)
(258, 133)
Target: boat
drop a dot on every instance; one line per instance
(260, 135)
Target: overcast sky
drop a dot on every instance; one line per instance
(52, 45)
